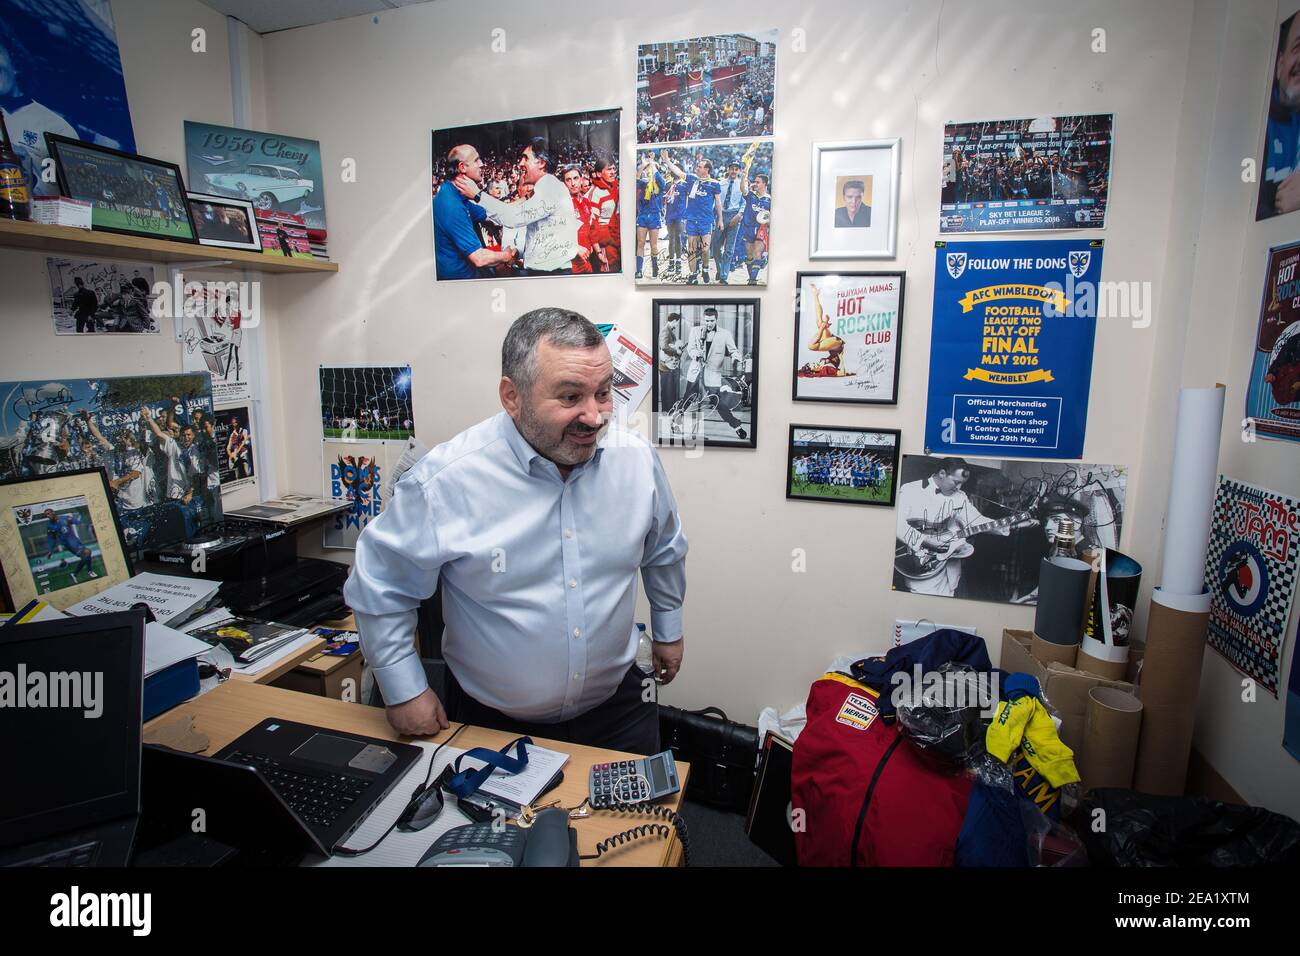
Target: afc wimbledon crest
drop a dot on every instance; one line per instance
(956, 264)
(1079, 262)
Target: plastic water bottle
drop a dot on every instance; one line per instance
(645, 651)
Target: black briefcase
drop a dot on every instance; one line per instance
(722, 753)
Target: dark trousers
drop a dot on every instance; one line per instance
(85, 321)
(668, 382)
(625, 722)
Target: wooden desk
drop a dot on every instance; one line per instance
(236, 707)
(281, 667)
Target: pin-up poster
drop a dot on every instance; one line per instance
(1011, 347)
(1273, 396)
(354, 472)
(1251, 572)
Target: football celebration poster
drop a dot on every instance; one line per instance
(1251, 572)
(1050, 172)
(847, 337)
(1273, 395)
(1011, 347)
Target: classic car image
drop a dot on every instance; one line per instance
(263, 184)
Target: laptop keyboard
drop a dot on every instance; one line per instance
(83, 855)
(319, 798)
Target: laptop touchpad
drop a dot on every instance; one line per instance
(345, 752)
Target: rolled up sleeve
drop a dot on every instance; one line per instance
(663, 562)
(396, 567)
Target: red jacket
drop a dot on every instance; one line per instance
(861, 794)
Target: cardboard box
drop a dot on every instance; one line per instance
(1065, 687)
(326, 675)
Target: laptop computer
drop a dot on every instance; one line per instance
(293, 788)
(72, 695)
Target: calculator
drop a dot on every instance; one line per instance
(633, 781)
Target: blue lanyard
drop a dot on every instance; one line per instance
(465, 782)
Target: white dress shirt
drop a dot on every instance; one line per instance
(551, 241)
(538, 573)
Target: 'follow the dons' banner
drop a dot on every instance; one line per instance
(1011, 347)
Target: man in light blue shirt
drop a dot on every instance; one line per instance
(537, 521)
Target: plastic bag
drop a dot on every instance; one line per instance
(1050, 842)
(942, 718)
(1127, 828)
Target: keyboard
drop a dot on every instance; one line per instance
(319, 798)
(83, 855)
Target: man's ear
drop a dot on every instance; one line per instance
(510, 397)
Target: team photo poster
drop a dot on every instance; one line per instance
(1011, 347)
(854, 465)
(1050, 172)
(1001, 515)
(527, 198)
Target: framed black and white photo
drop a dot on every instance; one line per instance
(225, 222)
(848, 465)
(101, 297)
(705, 389)
(847, 336)
(129, 194)
(854, 212)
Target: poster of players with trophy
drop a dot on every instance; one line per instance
(1273, 396)
(853, 465)
(1049, 172)
(848, 332)
(154, 435)
(711, 87)
(979, 528)
(99, 297)
(705, 389)
(529, 197)
(704, 213)
(234, 438)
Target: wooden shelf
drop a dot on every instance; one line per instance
(85, 242)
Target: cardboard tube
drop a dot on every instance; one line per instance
(1062, 598)
(1110, 738)
(1171, 679)
(1190, 502)
(1097, 658)
(1045, 652)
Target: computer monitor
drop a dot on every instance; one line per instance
(70, 697)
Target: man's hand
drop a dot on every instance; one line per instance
(735, 219)
(668, 660)
(420, 716)
(465, 186)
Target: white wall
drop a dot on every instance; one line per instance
(757, 633)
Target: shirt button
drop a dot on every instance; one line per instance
(573, 582)
(577, 632)
(568, 533)
(575, 676)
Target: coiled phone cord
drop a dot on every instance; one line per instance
(645, 830)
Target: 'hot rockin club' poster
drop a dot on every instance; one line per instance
(847, 337)
(1273, 396)
(1251, 573)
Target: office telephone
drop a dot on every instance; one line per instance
(550, 841)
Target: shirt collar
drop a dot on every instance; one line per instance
(525, 453)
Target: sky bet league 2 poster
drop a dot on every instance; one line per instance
(1011, 347)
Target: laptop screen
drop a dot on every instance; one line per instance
(70, 698)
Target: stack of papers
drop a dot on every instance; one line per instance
(245, 645)
(165, 646)
(172, 599)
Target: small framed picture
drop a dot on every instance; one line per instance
(705, 388)
(222, 221)
(129, 194)
(60, 539)
(847, 336)
(854, 212)
(849, 465)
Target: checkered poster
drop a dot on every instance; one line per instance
(1251, 573)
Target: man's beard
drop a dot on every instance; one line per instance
(557, 449)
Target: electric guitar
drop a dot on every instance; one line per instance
(926, 561)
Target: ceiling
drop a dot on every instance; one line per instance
(267, 16)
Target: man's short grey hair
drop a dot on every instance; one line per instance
(562, 328)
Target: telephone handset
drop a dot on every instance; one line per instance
(550, 841)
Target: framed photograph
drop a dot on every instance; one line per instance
(854, 211)
(704, 213)
(366, 403)
(705, 389)
(60, 540)
(848, 332)
(221, 221)
(547, 200)
(856, 466)
(129, 194)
